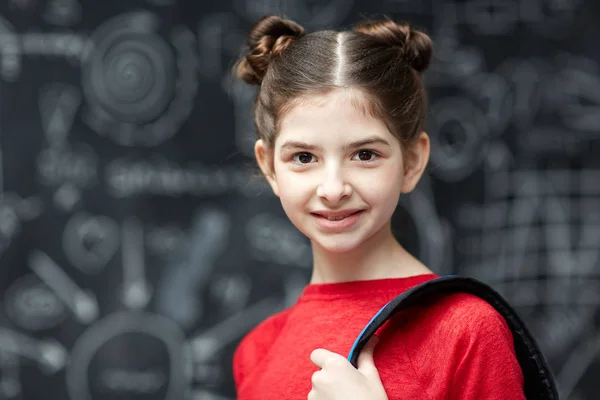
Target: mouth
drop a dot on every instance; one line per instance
(337, 216)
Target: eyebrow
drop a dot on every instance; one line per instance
(294, 144)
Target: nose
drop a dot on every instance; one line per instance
(334, 186)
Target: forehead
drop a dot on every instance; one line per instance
(340, 115)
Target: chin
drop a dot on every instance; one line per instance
(338, 245)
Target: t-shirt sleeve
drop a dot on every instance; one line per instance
(252, 348)
(486, 366)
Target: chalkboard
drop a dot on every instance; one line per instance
(138, 243)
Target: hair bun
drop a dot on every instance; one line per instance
(269, 36)
(415, 45)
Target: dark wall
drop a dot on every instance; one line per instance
(136, 248)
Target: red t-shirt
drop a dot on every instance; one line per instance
(458, 347)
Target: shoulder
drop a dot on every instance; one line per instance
(260, 337)
(462, 317)
(482, 357)
(468, 315)
(256, 342)
(458, 343)
(472, 331)
(462, 321)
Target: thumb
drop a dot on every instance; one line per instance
(365, 362)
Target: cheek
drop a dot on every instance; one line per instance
(383, 183)
(381, 194)
(294, 199)
(293, 190)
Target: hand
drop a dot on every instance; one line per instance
(339, 380)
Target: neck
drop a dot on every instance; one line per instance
(379, 257)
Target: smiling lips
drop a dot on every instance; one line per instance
(338, 220)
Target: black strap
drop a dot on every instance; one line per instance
(539, 383)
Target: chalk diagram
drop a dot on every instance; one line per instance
(15, 212)
(14, 209)
(133, 351)
(139, 88)
(535, 239)
(126, 66)
(138, 82)
(68, 169)
(534, 234)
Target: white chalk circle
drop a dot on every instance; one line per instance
(139, 88)
(458, 132)
(128, 355)
(32, 305)
(130, 72)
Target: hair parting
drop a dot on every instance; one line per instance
(383, 59)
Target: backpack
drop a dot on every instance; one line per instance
(538, 380)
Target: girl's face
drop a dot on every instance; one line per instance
(338, 171)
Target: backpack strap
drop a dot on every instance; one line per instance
(539, 383)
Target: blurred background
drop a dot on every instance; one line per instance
(137, 248)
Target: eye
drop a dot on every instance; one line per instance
(303, 158)
(365, 155)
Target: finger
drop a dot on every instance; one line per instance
(366, 362)
(319, 356)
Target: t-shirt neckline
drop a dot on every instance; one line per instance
(358, 288)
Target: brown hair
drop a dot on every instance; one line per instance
(383, 59)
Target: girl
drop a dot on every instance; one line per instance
(339, 117)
